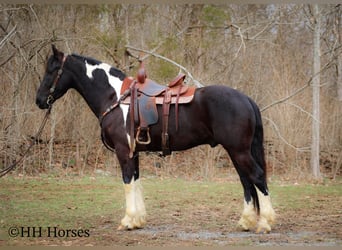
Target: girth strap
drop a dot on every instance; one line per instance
(166, 111)
(134, 116)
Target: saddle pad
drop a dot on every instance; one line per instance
(151, 88)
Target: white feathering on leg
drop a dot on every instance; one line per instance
(248, 218)
(267, 214)
(135, 216)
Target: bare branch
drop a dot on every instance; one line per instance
(283, 139)
(298, 90)
(303, 110)
(197, 83)
(242, 39)
(36, 17)
(161, 43)
(287, 97)
(261, 31)
(8, 36)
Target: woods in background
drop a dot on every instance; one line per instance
(265, 51)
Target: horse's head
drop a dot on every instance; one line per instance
(56, 80)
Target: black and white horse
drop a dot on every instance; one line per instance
(217, 115)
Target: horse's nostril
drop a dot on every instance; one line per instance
(40, 103)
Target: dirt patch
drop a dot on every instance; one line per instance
(171, 235)
(318, 223)
(321, 232)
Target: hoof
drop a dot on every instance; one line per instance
(128, 223)
(125, 228)
(263, 227)
(245, 225)
(247, 221)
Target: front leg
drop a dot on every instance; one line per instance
(135, 216)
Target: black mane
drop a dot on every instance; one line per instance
(113, 71)
(90, 60)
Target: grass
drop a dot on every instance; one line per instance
(46, 201)
(303, 195)
(93, 203)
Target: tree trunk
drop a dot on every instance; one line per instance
(338, 27)
(315, 95)
(339, 77)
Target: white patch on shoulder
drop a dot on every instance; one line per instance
(90, 68)
(115, 82)
(124, 108)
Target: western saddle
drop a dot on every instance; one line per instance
(143, 95)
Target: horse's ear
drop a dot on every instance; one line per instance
(56, 53)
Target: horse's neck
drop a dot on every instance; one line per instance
(98, 95)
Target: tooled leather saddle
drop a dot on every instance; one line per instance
(143, 96)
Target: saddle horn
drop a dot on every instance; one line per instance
(141, 76)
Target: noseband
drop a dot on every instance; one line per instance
(50, 98)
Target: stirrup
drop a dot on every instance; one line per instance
(148, 137)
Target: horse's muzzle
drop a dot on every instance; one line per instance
(42, 103)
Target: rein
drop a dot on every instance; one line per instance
(34, 139)
(49, 102)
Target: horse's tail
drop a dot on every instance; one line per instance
(257, 151)
(258, 140)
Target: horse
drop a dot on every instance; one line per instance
(217, 115)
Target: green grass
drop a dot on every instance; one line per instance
(302, 196)
(82, 202)
(46, 202)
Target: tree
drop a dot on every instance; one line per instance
(337, 31)
(316, 94)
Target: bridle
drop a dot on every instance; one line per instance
(50, 98)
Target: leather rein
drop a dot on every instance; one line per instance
(34, 139)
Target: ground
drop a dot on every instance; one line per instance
(180, 213)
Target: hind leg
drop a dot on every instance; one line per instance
(249, 217)
(267, 214)
(266, 211)
(257, 201)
